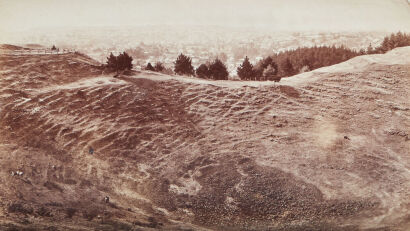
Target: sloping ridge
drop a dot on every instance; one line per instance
(398, 56)
(176, 154)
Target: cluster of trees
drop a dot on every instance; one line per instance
(288, 63)
(291, 62)
(309, 58)
(215, 70)
(389, 42)
(119, 63)
(183, 66)
(266, 69)
(273, 68)
(158, 67)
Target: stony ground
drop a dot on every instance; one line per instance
(328, 150)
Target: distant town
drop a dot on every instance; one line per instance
(163, 44)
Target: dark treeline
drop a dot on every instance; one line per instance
(399, 39)
(309, 58)
(291, 62)
(288, 63)
(274, 67)
(215, 70)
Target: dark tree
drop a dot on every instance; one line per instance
(270, 72)
(112, 61)
(245, 70)
(266, 62)
(124, 61)
(370, 49)
(261, 67)
(203, 71)
(149, 67)
(119, 63)
(168, 71)
(287, 67)
(403, 39)
(218, 70)
(183, 65)
(393, 41)
(54, 48)
(362, 51)
(276, 78)
(275, 67)
(159, 67)
(269, 69)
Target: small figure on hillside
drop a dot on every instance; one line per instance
(106, 199)
(346, 138)
(91, 150)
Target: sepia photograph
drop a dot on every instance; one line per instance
(205, 115)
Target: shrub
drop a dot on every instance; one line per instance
(168, 71)
(52, 186)
(19, 208)
(119, 63)
(218, 70)
(159, 67)
(70, 212)
(90, 214)
(183, 65)
(44, 212)
(149, 67)
(125, 61)
(203, 71)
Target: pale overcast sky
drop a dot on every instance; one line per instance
(391, 15)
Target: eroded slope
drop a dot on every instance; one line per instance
(330, 153)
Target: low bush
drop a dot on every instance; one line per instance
(70, 212)
(19, 208)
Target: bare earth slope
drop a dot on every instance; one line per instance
(327, 151)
